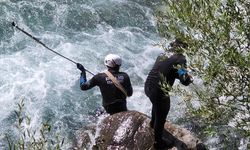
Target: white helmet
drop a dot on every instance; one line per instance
(112, 60)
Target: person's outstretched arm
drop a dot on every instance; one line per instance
(84, 84)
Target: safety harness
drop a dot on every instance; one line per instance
(116, 83)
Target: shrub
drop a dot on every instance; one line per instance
(218, 34)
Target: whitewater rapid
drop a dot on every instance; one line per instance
(84, 31)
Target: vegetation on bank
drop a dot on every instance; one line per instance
(218, 35)
(29, 139)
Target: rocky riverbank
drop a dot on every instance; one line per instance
(130, 130)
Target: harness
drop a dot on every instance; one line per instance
(116, 83)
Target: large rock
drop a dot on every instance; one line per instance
(130, 130)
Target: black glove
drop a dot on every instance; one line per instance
(80, 67)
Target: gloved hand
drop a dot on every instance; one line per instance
(184, 77)
(181, 72)
(80, 67)
(83, 79)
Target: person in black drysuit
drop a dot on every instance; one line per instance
(114, 100)
(165, 69)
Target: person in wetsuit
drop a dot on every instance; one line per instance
(165, 70)
(114, 100)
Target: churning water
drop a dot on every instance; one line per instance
(84, 31)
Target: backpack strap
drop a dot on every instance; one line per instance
(116, 83)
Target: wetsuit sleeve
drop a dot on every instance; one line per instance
(83, 78)
(89, 84)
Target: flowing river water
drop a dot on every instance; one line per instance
(84, 31)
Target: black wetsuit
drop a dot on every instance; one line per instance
(166, 67)
(114, 99)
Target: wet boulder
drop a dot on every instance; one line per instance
(125, 130)
(131, 130)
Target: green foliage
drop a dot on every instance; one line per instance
(218, 34)
(31, 139)
(165, 86)
(210, 131)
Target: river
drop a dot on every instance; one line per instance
(84, 31)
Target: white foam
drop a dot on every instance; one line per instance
(47, 81)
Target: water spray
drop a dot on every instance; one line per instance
(38, 41)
